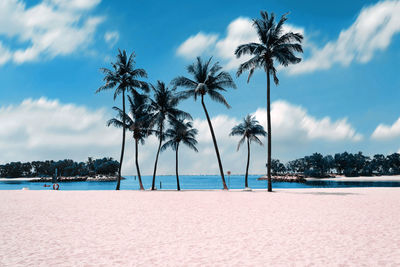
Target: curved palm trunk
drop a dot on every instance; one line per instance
(137, 165)
(123, 142)
(155, 164)
(269, 132)
(246, 181)
(215, 143)
(176, 169)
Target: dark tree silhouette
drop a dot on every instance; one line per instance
(123, 76)
(163, 107)
(138, 123)
(207, 80)
(249, 129)
(180, 131)
(274, 45)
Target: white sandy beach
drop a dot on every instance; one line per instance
(291, 227)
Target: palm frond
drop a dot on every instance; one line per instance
(272, 46)
(214, 95)
(207, 78)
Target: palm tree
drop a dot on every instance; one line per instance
(138, 123)
(180, 131)
(207, 80)
(164, 106)
(273, 45)
(248, 129)
(123, 76)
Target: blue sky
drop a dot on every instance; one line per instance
(343, 97)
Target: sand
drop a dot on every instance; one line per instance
(291, 227)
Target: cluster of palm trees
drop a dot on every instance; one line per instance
(159, 114)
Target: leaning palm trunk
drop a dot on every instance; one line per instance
(137, 165)
(123, 142)
(269, 132)
(246, 181)
(215, 143)
(176, 169)
(153, 185)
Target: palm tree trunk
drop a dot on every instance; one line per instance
(246, 182)
(123, 142)
(137, 165)
(176, 169)
(155, 164)
(215, 143)
(269, 132)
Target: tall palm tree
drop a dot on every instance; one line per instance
(207, 80)
(180, 131)
(123, 76)
(163, 107)
(274, 45)
(138, 123)
(248, 129)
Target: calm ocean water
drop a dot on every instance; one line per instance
(190, 182)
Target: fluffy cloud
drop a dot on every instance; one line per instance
(387, 132)
(196, 45)
(371, 32)
(239, 31)
(48, 129)
(293, 122)
(45, 30)
(111, 38)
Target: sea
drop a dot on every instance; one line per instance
(189, 182)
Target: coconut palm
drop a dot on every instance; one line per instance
(123, 76)
(180, 131)
(163, 107)
(249, 129)
(274, 45)
(207, 80)
(138, 123)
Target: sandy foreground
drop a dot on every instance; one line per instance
(291, 227)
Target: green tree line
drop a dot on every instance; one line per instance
(347, 164)
(66, 167)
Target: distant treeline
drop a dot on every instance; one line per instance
(66, 168)
(346, 164)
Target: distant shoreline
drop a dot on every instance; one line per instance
(382, 178)
(278, 178)
(97, 178)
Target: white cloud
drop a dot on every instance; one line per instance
(196, 45)
(111, 38)
(48, 129)
(45, 30)
(387, 132)
(293, 122)
(76, 4)
(43, 129)
(239, 31)
(371, 32)
(5, 54)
